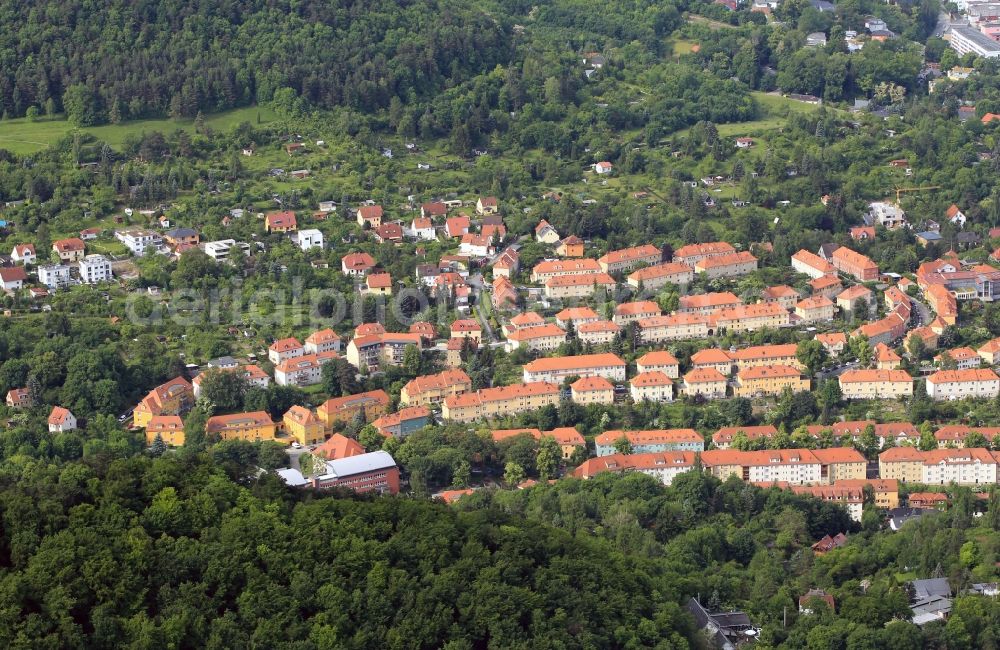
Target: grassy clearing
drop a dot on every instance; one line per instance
(684, 47)
(22, 137)
(712, 24)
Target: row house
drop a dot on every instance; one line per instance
(504, 295)
(858, 298)
(644, 442)
(304, 370)
(713, 358)
(568, 438)
(673, 328)
(403, 422)
(432, 389)
(543, 338)
(651, 386)
(324, 340)
(723, 438)
(960, 384)
(954, 435)
(895, 433)
(840, 463)
(254, 375)
(886, 358)
(783, 354)
(548, 269)
(555, 369)
(663, 466)
(654, 278)
(578, 286)
(599, 332)
(168, 428)
(876, 384)
(283, 349)
(592, 390)
(342, 410)
(781, 294)
(500, 402)
(828, 285)
(627, 259)
(940, 466)
(885, 330)
(851, 498)
(303, 425)
(748, 318)
(792, 466)
(943, 302)
(705, 303)
(627, 312)
(727, 266)
(659, 361)
(576, 316)
(990, 351)
(769, 381)
(691, 254)
(964, 358)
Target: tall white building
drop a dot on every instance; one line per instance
(225, 250)
(54, 276)
(94, 269)
(307, 239)
(964, 39)
(139, 241)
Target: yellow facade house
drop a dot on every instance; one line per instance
(303, 425)
(253, 426)
(769, 380)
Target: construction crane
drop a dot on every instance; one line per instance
(900, 190)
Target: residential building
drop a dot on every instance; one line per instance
(723, 438)
(812, 264)
(69, 250)
(748, 318)
(24, 253)
(226, 250)
(713, 358)
(627, 312)
(548, 269)
(904, 464)
(169, 429)
(377, 284)
(659, 361)
(338, 446)
(597, 332)
(285, 349)
(875, 384)
(654, 278)
(959, 466)
(403, 422)
(833, 342)
(767, 355)
(433, 389)
(253, 426)
(543, 338)
(592, 390)
(727, 266)
(888, 215)
(781, 294)
(621, 261)
(568, 438)
(422, 228)
(12, 278)
(990, 351)
(324, 340)
(377, 350)
(182, 237)
(651, 441)
(852, 498)
(94, 269)
(577, 316)
(60, 420)
(707, 382)
(953, 435)
(857, 300)
(339, 411)
(433, 209)
(885, 491)
(175, 397)
(769, 380)
(815, 309)
(964, 358)
(840, 463)
(487, 205)
(309, 238)
(507, 264)
(303, 425)
(577, 286)
(357, 264)
(706, 303)
(854, 264)
(283, 221)
(555, 369)
(827, 285)
(500, 401)
(19, 398)
(139, 241)
(792, 466)
(545, 233)
(664, 466)
(370, 215)
(467, 328)
(54, 276)
(965, 39)
(651, 386)
(571, 246)
(302, 370)
(960, 384)
(674, 327)
(691, 254)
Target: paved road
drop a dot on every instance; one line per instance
(944, 21)
(923, 313)
(835, 372)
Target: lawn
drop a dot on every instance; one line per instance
(684, 47)
(23, 137)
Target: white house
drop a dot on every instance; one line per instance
(60, 420)
(603, 167)
(54, 276)
(225, 250)
(422, 228)
(94, 269)
(959, 384)
(24, 253)
(139, 241)
(310, 238)
(12, 278)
